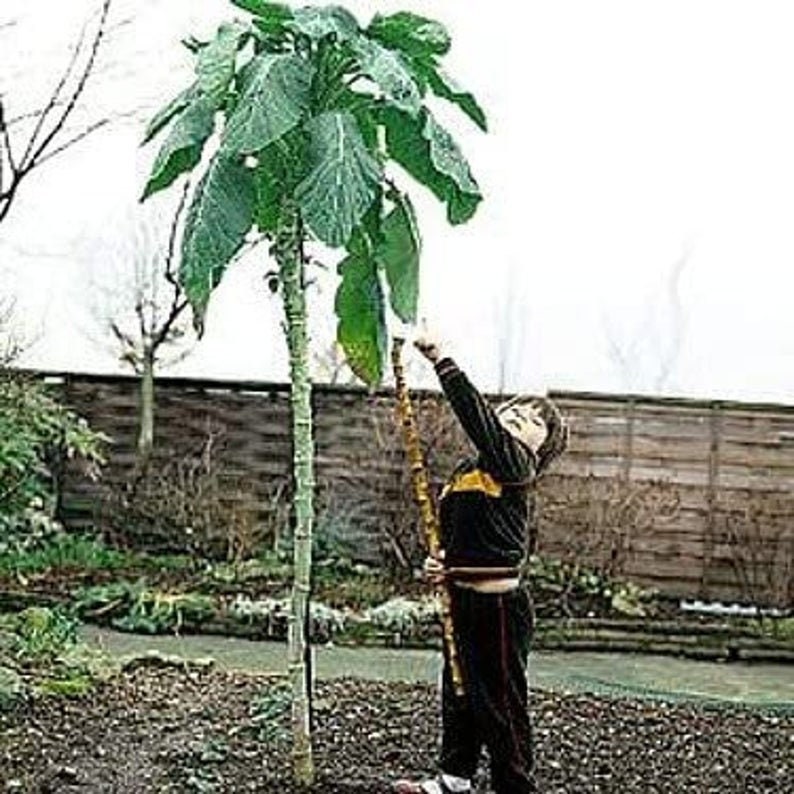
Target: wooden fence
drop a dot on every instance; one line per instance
(693, 497)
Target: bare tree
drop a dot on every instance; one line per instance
(11, 340)
(646, 356)
(140, 308)
(329, 366)
(30, 138)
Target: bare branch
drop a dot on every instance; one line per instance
(646, 354)
(12, 341)
(178, 300)
(72, 141)
(78, 89)
(676, 335)
(43, 145)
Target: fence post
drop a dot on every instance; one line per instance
(628, 440)
(715, 438)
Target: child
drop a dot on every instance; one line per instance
(488, 530)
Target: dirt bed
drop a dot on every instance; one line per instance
(203, 730)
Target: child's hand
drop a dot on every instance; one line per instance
(427, 344)
(433, 568)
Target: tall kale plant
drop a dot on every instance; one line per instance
(311, 109)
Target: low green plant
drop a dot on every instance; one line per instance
(73, 685)
(107, 600)
(778, 628)
(269, 712)
(564, 584)
(271, 566)
(214, 751)
(159, 613)
(406, 617)
(42, 633)
(272, 614)
(44, 643)
(133, 607)
(64, 551)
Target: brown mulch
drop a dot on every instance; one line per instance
(196, 730)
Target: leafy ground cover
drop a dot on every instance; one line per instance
(352, 603)
(196, 729)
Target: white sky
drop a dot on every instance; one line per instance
(625, 136)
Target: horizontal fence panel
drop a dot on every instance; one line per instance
(731, 465)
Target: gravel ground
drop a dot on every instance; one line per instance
(203, 730)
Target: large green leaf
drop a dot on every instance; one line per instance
(398, 251)
(215, 62)
(275, 97)
(219, 217)
(270, 18)
(415, 35)
(343, 180)
(319, 22)
(430, 155)
(271, 12)
(279, 168)
(360, 310)
(182, 149)
(444, 86)
(268, 184)
(387, 69)
(169, 112)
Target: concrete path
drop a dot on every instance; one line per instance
(606, 673)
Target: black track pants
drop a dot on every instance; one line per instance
(493, 634)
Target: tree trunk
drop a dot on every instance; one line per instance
(146, 416)
(289, 253)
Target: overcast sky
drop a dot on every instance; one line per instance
(638, 227)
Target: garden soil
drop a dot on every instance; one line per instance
(187, 728)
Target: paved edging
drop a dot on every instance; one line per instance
(623, 674)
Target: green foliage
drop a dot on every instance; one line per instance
(404, 616)
(44, 644)
(311, 114)
(64, 551)
(269, 713)
(174, 108)
(159, 613)
(12, 687)
(70, 686)
(430, 155)
(215, 228)
(568, 583)
(361, 308)
(42, 633)
(398, 251)
(184, 145)
(415, 36)
(215, 63)
(36, 434)
(275, 98)
(343, 179)
(133, 607)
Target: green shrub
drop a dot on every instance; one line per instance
(36, 435)
(40, 633)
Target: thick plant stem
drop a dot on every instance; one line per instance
(146, 416)
(289, 254)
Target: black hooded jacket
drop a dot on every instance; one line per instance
(486, 516)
